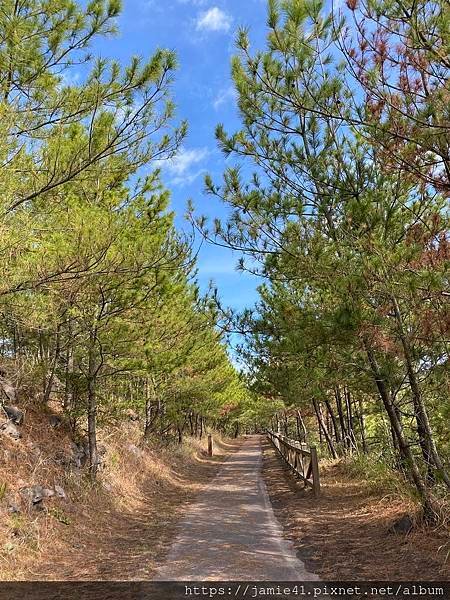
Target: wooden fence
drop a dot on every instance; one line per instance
(301, 458)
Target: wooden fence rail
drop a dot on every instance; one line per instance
(301, 458)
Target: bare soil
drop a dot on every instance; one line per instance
(344, 534)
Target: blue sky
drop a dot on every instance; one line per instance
(202, 33)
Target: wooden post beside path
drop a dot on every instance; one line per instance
(315, 471)
(210, 445)
(297, 457)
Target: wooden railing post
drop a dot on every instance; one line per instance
(294, 454)
(210, 445)
(315, 471)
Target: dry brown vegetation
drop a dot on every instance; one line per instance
(117, 529)
(345, 534)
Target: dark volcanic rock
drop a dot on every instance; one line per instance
(63, 459)
(33, 494)
(11, 430)
(80, 453)
(55, 421)
(7, 389)
(59, 491)
(403, 525)
(14, 414)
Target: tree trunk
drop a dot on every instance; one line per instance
(337, 395)
(410, 461)
(301, 429)
(69, 387)
(333, 421)
(426, 439)
(196, 425)
(92, 407)
(362, 425)
(323, 427)
(15, 343)
(49, 384)
(151, 408)
(148, 410)
(43, 361)
(350, 429)
(286, 424)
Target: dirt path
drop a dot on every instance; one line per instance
(230, 532)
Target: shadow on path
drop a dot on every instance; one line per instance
(230, 532)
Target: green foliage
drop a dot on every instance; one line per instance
(97, 287)
(347, 220)
(378, 476)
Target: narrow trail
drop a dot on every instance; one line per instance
(230, 532)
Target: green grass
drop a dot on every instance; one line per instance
(379, 476)
(59, 515)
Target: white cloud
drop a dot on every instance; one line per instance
(181, 167)
(183, 180)
(185, 159)
(225, 95)
(214, 19)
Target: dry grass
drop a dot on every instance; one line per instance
(344, 535)
(23, 463)
(118, 528)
